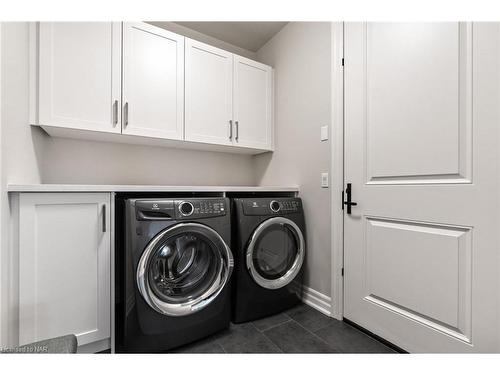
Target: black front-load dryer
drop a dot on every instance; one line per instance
(176, 271)
(269, 248)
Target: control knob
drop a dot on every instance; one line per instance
(275, 206)
(186, 208)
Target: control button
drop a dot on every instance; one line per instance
(275, 206)
(186, 208)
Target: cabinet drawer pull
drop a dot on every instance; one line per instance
(237, 131)
(115, 113)
(230, 129)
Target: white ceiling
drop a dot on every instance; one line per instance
(248, 35)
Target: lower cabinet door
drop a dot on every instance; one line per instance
(64, 261)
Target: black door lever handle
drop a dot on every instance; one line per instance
(349, 203)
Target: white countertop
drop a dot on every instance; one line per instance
(143, 188)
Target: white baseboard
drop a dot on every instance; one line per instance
(317, 300)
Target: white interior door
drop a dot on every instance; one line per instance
(208, 94)
(252, 103)
(64, 266)
(153, 82)
(80, 75)
(422, 153)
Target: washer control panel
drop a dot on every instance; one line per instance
(271, 206)
(196, 208)
(189, 208)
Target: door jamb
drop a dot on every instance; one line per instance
(337, 170)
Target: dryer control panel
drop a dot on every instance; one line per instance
(271, 206)
(178, 209)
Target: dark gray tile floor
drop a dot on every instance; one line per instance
(298, 330)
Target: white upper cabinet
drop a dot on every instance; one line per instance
(209, 94)
(147, 85)
(79, 75)
(153, 82)
(252, 99)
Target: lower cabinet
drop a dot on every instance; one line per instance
(64, 266)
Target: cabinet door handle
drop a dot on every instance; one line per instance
(104, 218)
(230, 129)
(125, 114)
(115, 113)
(237, 131)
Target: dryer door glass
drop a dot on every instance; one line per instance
(275, 253)
(183, 269)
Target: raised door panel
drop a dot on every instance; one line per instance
(153, 82)
(418, 102)
(64, 266)
(252, 103)
(209, 88)
(80, 75)
(421, 271)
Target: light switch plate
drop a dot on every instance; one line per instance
(324, 180)
(324, 133)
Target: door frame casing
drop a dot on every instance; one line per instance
(337, 170)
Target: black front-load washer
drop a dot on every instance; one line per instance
(269, 248)
(175, 273)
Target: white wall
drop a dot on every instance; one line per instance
(73, 161)
(301, 56)
(23, 145)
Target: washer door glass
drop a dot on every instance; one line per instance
(183, 269)
(275, 253)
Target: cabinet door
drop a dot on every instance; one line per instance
(209, 90)
(252, 103)
(64, 266)
(80, 75)
(153, 82)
